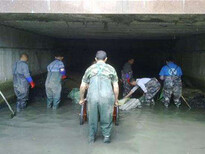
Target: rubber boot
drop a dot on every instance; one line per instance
(18, 107)
(23, 105)
(107, 139)
(177, 103)
(152, 102)
(49, 103)
(92, 139)
(56, 103)
(166, 105)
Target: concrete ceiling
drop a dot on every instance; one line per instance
(107, 26)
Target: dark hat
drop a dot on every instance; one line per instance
(101, 55)
(59, 53)
(170, 58)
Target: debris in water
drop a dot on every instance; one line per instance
(74, 95)
(131, 104)
(195, 98)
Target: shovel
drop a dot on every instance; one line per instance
(186, 102)
(12, 112)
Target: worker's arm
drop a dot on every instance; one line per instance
(161, 77)
(116, 92)
(62, 69)
(132, 91)
(84, 85)
(83, 88)
(129, 94)
(142, 86)
(26, 73)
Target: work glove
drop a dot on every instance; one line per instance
(116, 103)
(64, 77)
(128, 77)
(32, 84)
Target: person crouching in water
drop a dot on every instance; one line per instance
(56, 72)
(150, 87)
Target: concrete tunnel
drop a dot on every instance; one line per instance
(146, 38)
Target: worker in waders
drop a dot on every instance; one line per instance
(102, 83)
(56, 72)
(171, 75)
(150, 87)
(21, 81)
(127, 74)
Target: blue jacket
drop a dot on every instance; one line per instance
(171, 69)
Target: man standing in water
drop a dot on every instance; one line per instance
(127, 74)
(21, 81)
(102, 83)
(171, 75)
(56, 72)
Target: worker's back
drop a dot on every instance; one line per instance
(54, 75)
(171, 69)
(100, 76)
(20, 73)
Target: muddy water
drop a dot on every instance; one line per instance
(146, 131)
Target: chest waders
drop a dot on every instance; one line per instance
(153, 86)
(100, 103)
(172, 85)
(53, 88)
(21, 88)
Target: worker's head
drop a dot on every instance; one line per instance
(133, 82)
(101, 56)
(169, 59)
(131, 61)
(59, 56)
(24, 57)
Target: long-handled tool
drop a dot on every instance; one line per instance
(12, 112)
(160, 95)
(186, 102)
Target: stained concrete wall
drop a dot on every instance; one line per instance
(13, 42)
(190, 53)
(103, 6)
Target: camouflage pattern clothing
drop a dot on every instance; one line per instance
(153, 86)
(127, 74)
(102, 68)
(100, 97)
(125, 80)
(150, 88)
(172, 85)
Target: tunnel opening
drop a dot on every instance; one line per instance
(149, 39)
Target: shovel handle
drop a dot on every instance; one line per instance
(186, 102)
(2, 95)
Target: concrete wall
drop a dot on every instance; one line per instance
(103, 6)
(13, 42)
(190, 54)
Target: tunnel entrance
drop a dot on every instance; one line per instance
(149, 39)
(146, 38)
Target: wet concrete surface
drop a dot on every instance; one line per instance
(155, 130)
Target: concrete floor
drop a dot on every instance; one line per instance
(149, 130)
